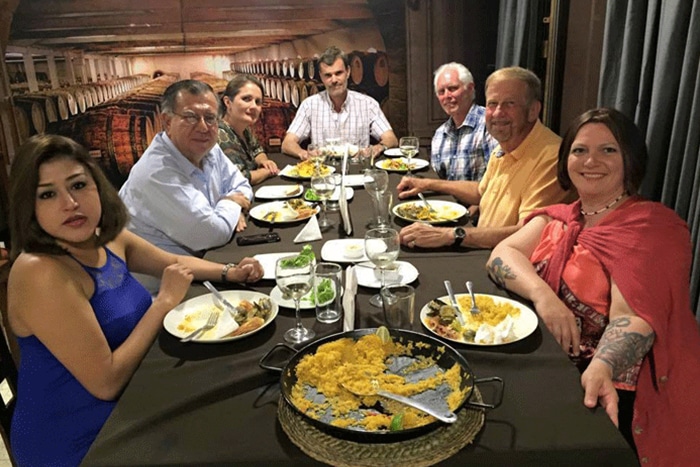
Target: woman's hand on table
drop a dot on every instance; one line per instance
(599, 389)
(270, 166)
(425, 236)
(248, 270)
(559, 320)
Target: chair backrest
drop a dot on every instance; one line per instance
(9, 358)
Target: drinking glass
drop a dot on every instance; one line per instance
(383, 206)
(327, 296)
(382, 248)
(376, 182)
(398, 303)
(408, 145)
(323, 185)
(316, 155)
(353, 148)
(365, 157)
(295, 278)
(332, 204)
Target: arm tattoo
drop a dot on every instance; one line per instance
(499, 272)
(620, 348)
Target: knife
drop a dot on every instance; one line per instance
(453, 301)
(217, 295)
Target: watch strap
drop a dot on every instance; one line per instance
(224, 271)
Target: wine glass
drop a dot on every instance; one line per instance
(316, 155)
(294, 276)
(376, 182)
(382, 248)
(408, 145)
(323, 186)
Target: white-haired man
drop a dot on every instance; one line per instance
(461, 146)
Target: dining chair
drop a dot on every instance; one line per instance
(8, 364)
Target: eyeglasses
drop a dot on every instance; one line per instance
(193, 119)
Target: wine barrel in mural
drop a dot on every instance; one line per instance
(115, 139)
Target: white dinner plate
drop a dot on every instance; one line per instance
(525, 324)
(355, 180)
(369, 276)
(335, 251)
(447, 211)
(349, 193)
(304, 304)
(279, 191)
(191, 314)
(285, 213)
(399, 164)
(393, 152)
(269, 260)
(290, 172)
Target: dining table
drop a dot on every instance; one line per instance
(213, 404)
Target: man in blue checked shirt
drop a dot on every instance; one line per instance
(461, 146)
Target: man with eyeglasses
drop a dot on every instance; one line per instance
(521, 175)
(184, 195)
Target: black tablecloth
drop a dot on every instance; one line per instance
(211, 404)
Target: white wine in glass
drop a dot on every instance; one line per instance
(316, 155)
(323, 186)
(294, 276)
(382, 248)
(408, 145)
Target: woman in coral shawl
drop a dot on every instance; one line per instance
(609, 277)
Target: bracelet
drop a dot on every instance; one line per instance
(224, 271)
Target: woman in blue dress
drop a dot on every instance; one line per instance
(82, 321)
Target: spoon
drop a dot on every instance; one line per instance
(444, 416)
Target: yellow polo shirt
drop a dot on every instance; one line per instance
(521, 181)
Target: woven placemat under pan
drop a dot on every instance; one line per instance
(428, 449)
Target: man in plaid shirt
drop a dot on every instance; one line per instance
(461, 146)
(338, 112)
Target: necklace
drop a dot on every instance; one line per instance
(593, 213)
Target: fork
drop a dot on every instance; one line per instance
(211, 322)
(474, 309)
(427, 204)
(433, 211)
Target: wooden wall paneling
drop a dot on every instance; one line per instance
(442, 31)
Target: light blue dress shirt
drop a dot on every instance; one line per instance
(179, 207)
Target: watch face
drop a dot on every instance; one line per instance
(460, 233)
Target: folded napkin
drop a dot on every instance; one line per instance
(310, 232)
(342, 201)
(349, 299)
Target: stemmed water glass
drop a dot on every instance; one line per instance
(408, 145)
(376, 182)
(382, 248)
(323, 186)
(294, 276)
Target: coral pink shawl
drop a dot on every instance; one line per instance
(646, 250)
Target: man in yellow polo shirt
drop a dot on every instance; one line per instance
(521, 175)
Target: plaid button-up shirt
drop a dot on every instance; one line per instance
(359, 118)
(462, 153)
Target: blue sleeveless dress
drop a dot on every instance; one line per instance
(56, 419)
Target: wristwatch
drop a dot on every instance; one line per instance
(460, 235)
(224, 271)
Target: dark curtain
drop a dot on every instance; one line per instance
(520, 34)
(651, 71)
